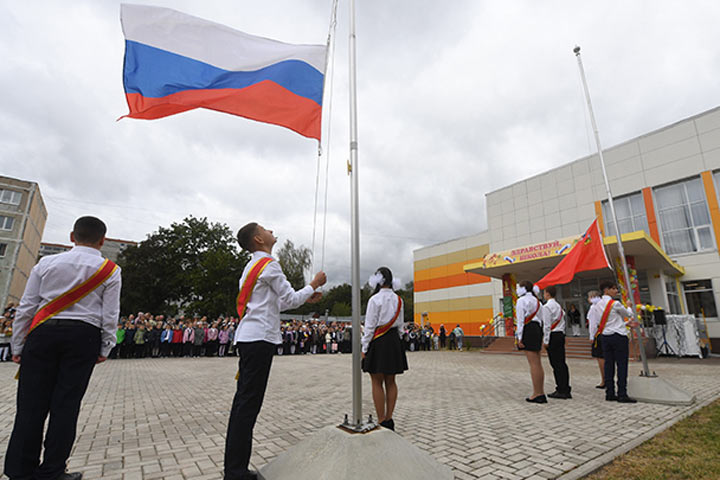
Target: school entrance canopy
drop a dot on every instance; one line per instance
(532, 262)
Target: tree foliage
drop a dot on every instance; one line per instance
(193, 266)
(294, 261)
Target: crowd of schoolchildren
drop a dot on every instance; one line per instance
(146, 335)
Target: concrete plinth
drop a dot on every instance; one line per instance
(657, 390)
(335, 454)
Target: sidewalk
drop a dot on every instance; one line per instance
(166, 418)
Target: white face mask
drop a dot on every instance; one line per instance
(595, 300)
(521, 290)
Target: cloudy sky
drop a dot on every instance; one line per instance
(456, 99)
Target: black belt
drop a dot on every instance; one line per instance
(65, 322)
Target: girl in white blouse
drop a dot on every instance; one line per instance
(382, 351)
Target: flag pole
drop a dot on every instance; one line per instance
(355, 232)
(621, 250)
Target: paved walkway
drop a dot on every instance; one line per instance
(166, 418)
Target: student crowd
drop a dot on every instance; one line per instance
(146, 335)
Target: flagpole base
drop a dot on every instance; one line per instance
(653, 389)
(332, 452)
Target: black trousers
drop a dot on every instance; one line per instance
(615, 352)
(55, 369)
(254, 370)
(556, 355)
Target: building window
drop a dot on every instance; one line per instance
(700, 298)
(10, 196)
(673, 297)
(3, 249)
(684, 217)
(631, 214)
(6, 223)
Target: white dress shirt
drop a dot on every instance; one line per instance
(553, 311)
(525, 307)
(616, 318)
(593, 317)
(272, 294)
(56, 274)
(381, 309)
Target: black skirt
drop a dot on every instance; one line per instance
(385, 355)
(532, 337)
(597, 351)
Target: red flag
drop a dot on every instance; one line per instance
(587, 254)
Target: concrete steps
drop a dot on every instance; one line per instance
(575, 347)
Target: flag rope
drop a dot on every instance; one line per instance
(329, 66)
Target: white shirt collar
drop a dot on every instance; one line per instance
(83, 249)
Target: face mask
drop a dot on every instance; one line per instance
(595, 300)
(521, 291)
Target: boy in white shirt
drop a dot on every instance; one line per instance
(264, 293)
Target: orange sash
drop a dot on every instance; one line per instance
(532, 315)
(247, 287)
(379, 332)
(73, 295)
(556, 322)
(604, 319)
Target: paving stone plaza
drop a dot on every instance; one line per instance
(166, 418)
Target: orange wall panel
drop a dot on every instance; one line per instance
(650, 212)
(449, 281)
(599, 215)
(712, 200)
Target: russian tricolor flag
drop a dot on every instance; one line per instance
(176, 62)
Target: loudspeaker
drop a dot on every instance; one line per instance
(659, 317)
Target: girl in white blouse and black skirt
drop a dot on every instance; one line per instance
(530, 335)
(383, 355)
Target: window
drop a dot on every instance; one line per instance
(673, 297)
(700, 298)
(3, 249)
(6, 223)
(630, 212)
(10, 196)
(684, 217)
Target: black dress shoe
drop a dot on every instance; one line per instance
(389, 424)
(70, 476)
(611, 398)
(557, 394)
(249, 475)
(626, 399)
(600, 386)
(538, 399)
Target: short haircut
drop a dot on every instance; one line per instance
(606, 285)
(245, 236)
(551, 290)
(90, 230)
(593, 293)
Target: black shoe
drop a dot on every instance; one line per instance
(626, 399)
(538, 399)
(249, 475)
(611, 398)
(71, 476)
(600, 386)
(557, 394)
(567, 396)
(389, 424)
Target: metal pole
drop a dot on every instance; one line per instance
(355, 231)
(621, 250)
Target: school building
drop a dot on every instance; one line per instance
(665, 185)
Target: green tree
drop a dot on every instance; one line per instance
(294, 261)
(192, 266)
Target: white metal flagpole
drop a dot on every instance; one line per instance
(621, 250)
(355, 232)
